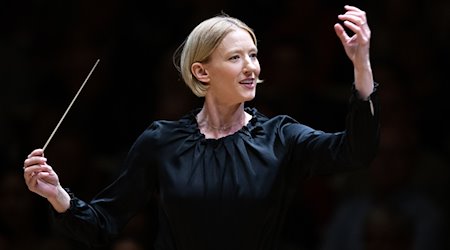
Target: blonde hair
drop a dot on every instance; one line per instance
(201, 43)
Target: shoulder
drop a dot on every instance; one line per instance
(279, 124)
(160, 131)
(276, 121)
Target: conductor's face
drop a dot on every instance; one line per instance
(233, 69)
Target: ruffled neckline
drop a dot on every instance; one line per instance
(252, 128)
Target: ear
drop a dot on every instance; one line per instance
(200, 72)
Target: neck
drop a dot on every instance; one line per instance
(215, 121)
(226, 127)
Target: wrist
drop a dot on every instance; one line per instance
(61, 203)
(364, 82)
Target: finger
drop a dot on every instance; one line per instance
(30, 179)
(352, 26)
(340, 32)
(355, 13)
(34, 170)
(40, 176)
(34, 160)
(354, 19)
(33, 173)
(38, 168)
(36, 152)
(358, 30)
(33, 181)
(353, 8)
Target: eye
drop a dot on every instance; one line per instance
(234, 58)
(254, 55)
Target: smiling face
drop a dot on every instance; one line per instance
(232, 70)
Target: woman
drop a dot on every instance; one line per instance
(224, 175)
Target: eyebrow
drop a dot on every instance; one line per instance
(233, 51)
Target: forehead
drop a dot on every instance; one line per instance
(237, 39)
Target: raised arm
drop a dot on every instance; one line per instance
(357, 47)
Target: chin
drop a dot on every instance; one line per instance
(249, 98)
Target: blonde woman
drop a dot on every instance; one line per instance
(224, 174)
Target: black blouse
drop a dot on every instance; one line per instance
(227, 193)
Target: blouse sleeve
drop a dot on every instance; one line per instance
(96, 222)
(322, 153)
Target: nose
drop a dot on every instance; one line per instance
(249, 65)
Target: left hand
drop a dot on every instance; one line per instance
(357, 46)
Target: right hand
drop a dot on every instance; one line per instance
(42, 180)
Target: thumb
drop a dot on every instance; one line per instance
(340, 32)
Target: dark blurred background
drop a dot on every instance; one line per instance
(47, 48)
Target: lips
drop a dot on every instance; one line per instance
(250, 84)
(247, 82)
